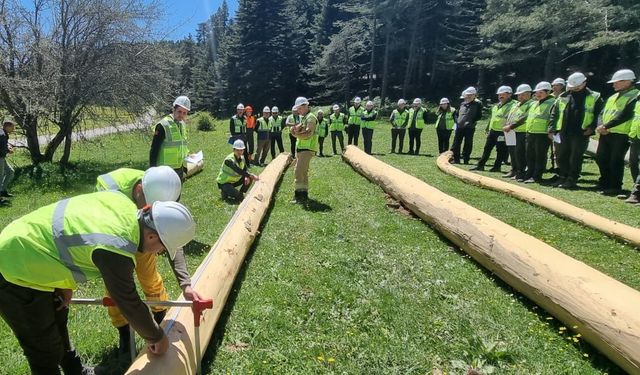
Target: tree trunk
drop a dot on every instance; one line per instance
(373, 56)
(67, 147)
(30, 125)
(550, 66)
(385, 66)
(434, 59)
(482, 76)
(411, 60)
(347, 78)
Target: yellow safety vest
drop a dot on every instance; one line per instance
(228, 175)
(122, 180)
(311, 143)
(615, 104)
(499, 115)
(589, 109)
(336, 122)
(539, 115)
(174, 148)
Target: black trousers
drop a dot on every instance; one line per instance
(610, 158)
(276, 138)
(367, 136)
(414, 140)
(493, 140)
(229, 189)
(353, 131)
(570, 154)
(397, 134)
(443, 139)
(321, 145)
(337, 134)
(463, 135)
(250, 141)
(537, 149)
(40, 329)
(518, 154)
(634, 157)
(293, 141)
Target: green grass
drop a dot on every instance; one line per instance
(350, 286)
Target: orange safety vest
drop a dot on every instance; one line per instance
(251, 122)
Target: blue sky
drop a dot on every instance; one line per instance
(183, 16)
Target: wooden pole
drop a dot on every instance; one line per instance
(213, 279)
(560, 208)
(605, 311)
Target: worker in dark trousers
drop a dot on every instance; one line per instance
(250, 122)
(399, 120)
(337, 122)
(495, 133)
(263, 129)
(323, 131)
(573, 120)
(354, 121)
(292, 120)
(469, 114)
(6, 172)
(538, 141)
(238, 128)
(516, 122)
(169, 144)
(234, 173)
(444, 124)
(617, 117)
(276, 131)
(415, 123)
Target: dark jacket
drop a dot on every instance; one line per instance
(4, 143)
(574, 113)
(469, 114)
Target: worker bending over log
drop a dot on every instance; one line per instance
(234, 172)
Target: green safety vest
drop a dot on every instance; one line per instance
(615, 104)
(539, 115)
(589, 109)
(354, 115)
(312, 142)
(369, 124)
(228, 175)
(500, 115)
(336, 123)
(122, 180)
(51, 247)
(519, 111)
(399, 118)
(276, 125)
(291, 119)
(238, 125)
(323, 127)
(635, 124)
(264, 125)
(419, 118)
(448, 119)
(174, 148)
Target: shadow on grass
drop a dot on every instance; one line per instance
(217, 337)
(313, 205)
(196, 248)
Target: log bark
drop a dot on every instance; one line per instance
(605, 311)
(558, 207)
(214, 278)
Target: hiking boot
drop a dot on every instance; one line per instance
(530, 180)
(509, 175)
(610, 192)
(477, 168)
(297, 197)
(558, 181)
(633, 199)
(495, 169)
(124, 344)
(568, 184)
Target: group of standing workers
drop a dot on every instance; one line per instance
(109, 234)
(562, 116)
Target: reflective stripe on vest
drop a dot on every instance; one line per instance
(519, 111)
(228, 175)
(264, 125)
(109, 182)
(539, 115)
(276, 127)
(122, 180)
(419, 124)
(589, 109)
(355, 114)
(499, 115)
(614, 106)
(238, 125)
(448, 120)
(174, 148)
(310, 143)
(399, 119)
(369, 124)
(323, 127)
(336, 123)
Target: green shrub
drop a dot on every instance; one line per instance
(205, 122)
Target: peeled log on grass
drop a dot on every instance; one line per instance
(606, 311)
(213, 279)
(563, 209)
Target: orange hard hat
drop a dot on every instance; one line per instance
(248, 108)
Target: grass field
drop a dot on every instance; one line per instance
(357, 288)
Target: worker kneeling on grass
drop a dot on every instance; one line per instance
(156, 184)
(44, 255)
(233, 173)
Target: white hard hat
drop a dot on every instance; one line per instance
(294, 108)
(559, 81)
(266, 109)
(402, 101)
(335, 107)
(417, 101)
(275, 109)
(471, 91)
(301, 100)
(357, 100)
(504, 89)
(238, 144)
(320, 112)
(462, 94)
(174, 224)
(544, 85)
(183, 102)
(575, 80)
(623, 75)
(240, 106)
(369, 104)
(444, 101)
(161, 184)
(521, 89)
